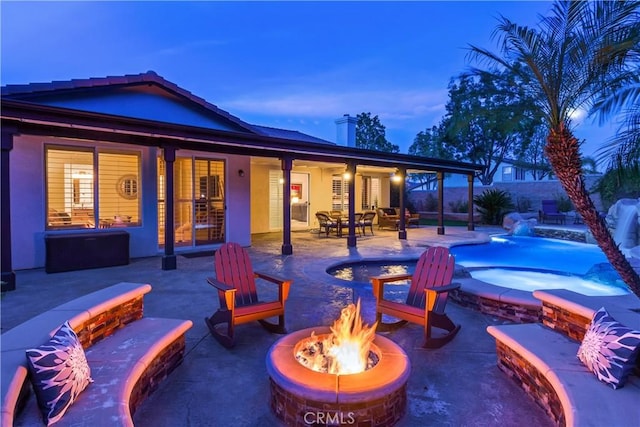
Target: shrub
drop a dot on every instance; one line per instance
(523, 204)
(459, 206)
(493, 205)
(564, 204)
(430, 203)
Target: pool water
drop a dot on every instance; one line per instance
(525, 263)
(531, 253)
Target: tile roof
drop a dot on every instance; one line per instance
(27, 91)
(290, 134)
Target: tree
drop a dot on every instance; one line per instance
(531, 155)
(370, 134)
(428, 143)
(487, 119)
(589, 165)
(574, 55)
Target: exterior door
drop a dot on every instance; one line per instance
(209, 211)
(299, 200)
(199, 202)
(299, 203)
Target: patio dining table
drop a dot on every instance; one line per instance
(343, 221)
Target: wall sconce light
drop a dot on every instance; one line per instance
(241, 172)
(395, 177)
(346, 176)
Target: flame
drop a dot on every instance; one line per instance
(346, 349)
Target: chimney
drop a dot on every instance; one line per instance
(346, 131)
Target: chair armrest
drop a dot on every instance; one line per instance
(270, 278)
(284, 285)
(443, 289)
(431, 294)
(377, 283)
(219, 285)
(391, 277)
(226, 293)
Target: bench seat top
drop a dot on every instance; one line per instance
(116, 363)
(585, 400)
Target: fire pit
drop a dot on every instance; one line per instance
(301, 396)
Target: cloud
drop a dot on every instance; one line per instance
(389, 104)
(190, 46)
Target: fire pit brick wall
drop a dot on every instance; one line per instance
(297, 411)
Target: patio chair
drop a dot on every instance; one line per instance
(550, 212)
(239, 303)
(426, 299)
(344, 223)
(326, 223)
(367, 221)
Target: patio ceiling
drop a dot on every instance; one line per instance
(25, 117)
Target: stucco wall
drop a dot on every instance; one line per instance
(28, 206)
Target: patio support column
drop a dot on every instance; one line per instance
(470, 226)
(169, 257)
(351, 238)
(440, 203)
(287, 248)
(402, 221)
(8, 276)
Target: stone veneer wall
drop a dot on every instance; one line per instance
(531, 381)
(163, 364)
(514, 312)
(570, 324)
(558, 233)
(104, 324)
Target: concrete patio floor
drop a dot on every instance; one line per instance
(457, 385)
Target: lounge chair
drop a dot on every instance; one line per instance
(387, 217)
(550, 212)
(239, 303)
(426, 299)
(411, 219)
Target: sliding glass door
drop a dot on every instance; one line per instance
(199, 202)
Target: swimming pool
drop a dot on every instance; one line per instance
(516, 262)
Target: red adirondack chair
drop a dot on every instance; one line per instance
(426, 300)
(235, 282)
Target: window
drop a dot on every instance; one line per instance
(340, 193)
(366, 193)
(512, 173)
(80, 180)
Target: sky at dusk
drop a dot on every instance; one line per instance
(292, 65)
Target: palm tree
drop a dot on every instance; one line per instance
(574, 57)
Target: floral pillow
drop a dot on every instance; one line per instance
(59, 373)
(609, 349)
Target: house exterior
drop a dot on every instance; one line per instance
(137, 153)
